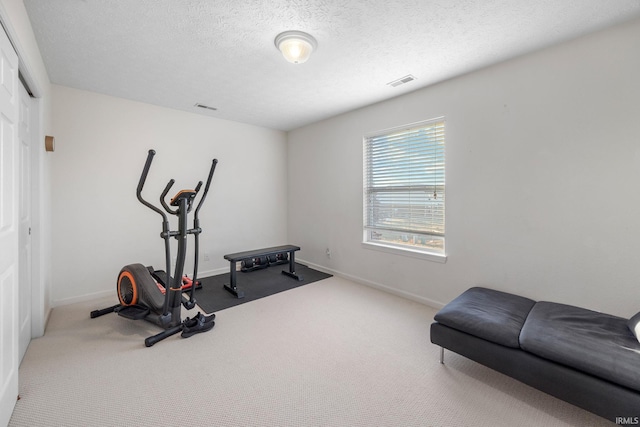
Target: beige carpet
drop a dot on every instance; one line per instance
(331, 353)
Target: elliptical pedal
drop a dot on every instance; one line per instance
(133, 312)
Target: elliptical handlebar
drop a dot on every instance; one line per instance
(206, 187)
(164, 194)
(197, 190)
(143, 178)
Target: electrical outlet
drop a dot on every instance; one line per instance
(206, 257)
(328, 253)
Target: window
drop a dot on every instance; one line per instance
(404, 187)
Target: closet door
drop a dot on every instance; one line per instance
(9, 229)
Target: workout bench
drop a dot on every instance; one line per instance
(239, 256)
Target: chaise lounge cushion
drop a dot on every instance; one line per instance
(489, 314)
(595, 343)
(634, 325)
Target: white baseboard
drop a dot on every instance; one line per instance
(408, 295)
(103, 294)
(215, 272)
(86, 297)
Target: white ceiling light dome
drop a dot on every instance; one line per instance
(296, 46)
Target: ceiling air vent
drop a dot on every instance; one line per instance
(206, 107)
(402, 80)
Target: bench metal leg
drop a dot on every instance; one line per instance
(292, 267)
(232, 287)
(442, 355)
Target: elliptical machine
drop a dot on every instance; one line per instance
(155, 296)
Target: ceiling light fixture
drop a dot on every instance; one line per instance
(296, 46)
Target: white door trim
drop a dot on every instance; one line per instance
(26, 148)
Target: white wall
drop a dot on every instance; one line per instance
(99, 225)
(543, 180)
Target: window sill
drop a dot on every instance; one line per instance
(429, 256)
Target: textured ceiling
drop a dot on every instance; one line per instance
(220, 53)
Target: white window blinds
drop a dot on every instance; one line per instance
(404, 179)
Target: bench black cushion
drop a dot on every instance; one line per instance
(489, 314)
(596, 343)
(239, 256)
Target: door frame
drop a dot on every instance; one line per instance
(26, 147)
(40, 305)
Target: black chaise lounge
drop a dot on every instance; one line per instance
(589, 359)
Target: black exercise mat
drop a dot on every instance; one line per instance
(257, 284)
